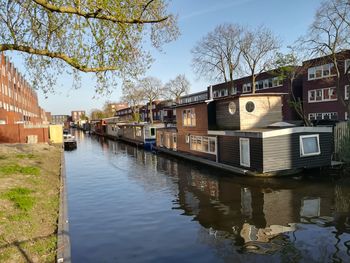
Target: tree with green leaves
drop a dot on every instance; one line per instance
(101, 37)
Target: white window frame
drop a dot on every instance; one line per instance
(346, 65)
(346, 116)
(346, 91)
(322, 99)
(247, 87)
(323, 69)
(241, 140)
(191, 119)
(302, 153)
(201, 138)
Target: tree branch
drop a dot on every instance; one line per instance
(96, 15)
(44, 52)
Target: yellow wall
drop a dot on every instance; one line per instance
(56, 133)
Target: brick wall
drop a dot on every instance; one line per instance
(17, 133)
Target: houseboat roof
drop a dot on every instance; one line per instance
(269, 132)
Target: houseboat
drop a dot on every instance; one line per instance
(245, 133)
(143, 134)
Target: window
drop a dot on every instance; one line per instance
(233, 90)
(347, 66)
(347, 91)
(323, 116)
(203, 144)
(277, 81)
(318, 72)
(346, 116)
(247, 87)
(138, 132)
(319, 95)
(189, 117)
(309, 145)
(187, 139)
(244, 152)
(153, 131)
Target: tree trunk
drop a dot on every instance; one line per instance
(150, 112)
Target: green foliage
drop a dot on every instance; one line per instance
(21, 198)
(26, 156)
(102, 37)
(15, 168)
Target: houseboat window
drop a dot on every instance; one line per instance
(250, 106)
(174, 138)
(153, 131)
(138, 132)
(346, 116)
(187, 139)
(309, 145)
(244, 152)
(232, 108)
(347, 66)
(189, 117)
(347, 91)
(203, 144)
(161, 139)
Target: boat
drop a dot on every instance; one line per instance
(69, 141)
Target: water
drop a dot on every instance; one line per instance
(128, 205)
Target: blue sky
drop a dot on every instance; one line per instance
(287, 19)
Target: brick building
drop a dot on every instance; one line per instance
(322, 100)
(18, 101)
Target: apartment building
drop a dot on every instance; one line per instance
(77, 114)
(322, 100)
(18, 101)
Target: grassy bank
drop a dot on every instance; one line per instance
(29, 202)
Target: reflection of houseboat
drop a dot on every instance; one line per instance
(245, 134)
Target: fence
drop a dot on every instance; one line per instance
(341, 131)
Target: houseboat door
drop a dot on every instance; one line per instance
(244, 152)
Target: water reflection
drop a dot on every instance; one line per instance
(245, 219)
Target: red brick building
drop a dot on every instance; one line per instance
(18, 101)
(322, 101)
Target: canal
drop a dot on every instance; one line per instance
(128, 205)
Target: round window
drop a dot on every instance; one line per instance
(232, 108)
(250, 106)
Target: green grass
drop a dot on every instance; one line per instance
(21, 198)
(15, 168)
(26, 156)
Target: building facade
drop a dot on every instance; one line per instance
(18, 101)
(77, 115)
(322, 100)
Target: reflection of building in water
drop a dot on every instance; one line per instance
(310, 207)
(208, 185)
(278, 208)
(246, 203)
(251, 233)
